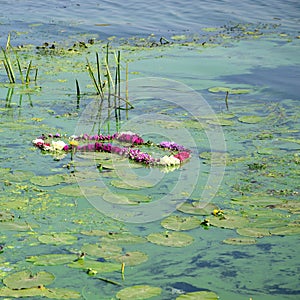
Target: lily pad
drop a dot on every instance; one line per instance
(71, 190)
(253, 232)
(6, 216)
(138, 292)
(223, 89)
(202, 295)
(171, 239)
(100, 267)
(106, 251)
(16, 226)
(123, 237)
(197, 208)
(51, 259)
(54, 293)
(57, 239)
(239, 241)
(47, 180)
(250, 119)
(229, 221)
(25, 279)
(131, 184)
(118, 199)
(286, 230)
(133, 258)
(179, 223)
(19, 175)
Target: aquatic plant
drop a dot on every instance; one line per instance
(178, 153)
(8, 65)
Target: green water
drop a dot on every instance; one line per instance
(259, 160)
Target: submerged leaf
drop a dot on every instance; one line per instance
(138, 292)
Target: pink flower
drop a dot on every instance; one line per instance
(182, 156)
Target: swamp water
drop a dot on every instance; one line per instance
(245, 163)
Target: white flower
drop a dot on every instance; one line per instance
(38, 141)
(169, 161)
(58, 145)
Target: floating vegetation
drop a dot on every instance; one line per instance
(197, 208)
(171, 239)
(179, 223)
(239, 241)
(58, 239)
(138, 292)
(51, 259)
(100, 267)
(26, 279)
(201, 295)
(47, 180)
(8, 65)
(233, 91)
(251, 119)
(53, 293)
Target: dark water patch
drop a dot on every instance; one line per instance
(186, 287)
(265, 247)
(238, 255)
(281, 81)
(229, 273)
(278, 290)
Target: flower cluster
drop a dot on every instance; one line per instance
(178, 153)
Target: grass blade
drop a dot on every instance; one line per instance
(27, 79)
(8, 67)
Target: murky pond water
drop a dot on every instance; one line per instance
(90, 225)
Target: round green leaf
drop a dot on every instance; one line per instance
(250, 119)
(117, 199)
(25, 279)
(16, 226)
(47, 180)
(179, 223)
(223, 89)
(202, 295)
(123, 237)
(6, 216)
(253, 232)
(286, 230)
(107, 251)
(138, 292)
(19, 175)
(100, 267)
(171, 239)
(134, 184)
(197, 208)
(133, 258)
(239, 241)
(229, 221)
(55, 293)
(51, 259)
(70, 190)
(57, 239)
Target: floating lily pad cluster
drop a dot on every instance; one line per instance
(26, 284)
